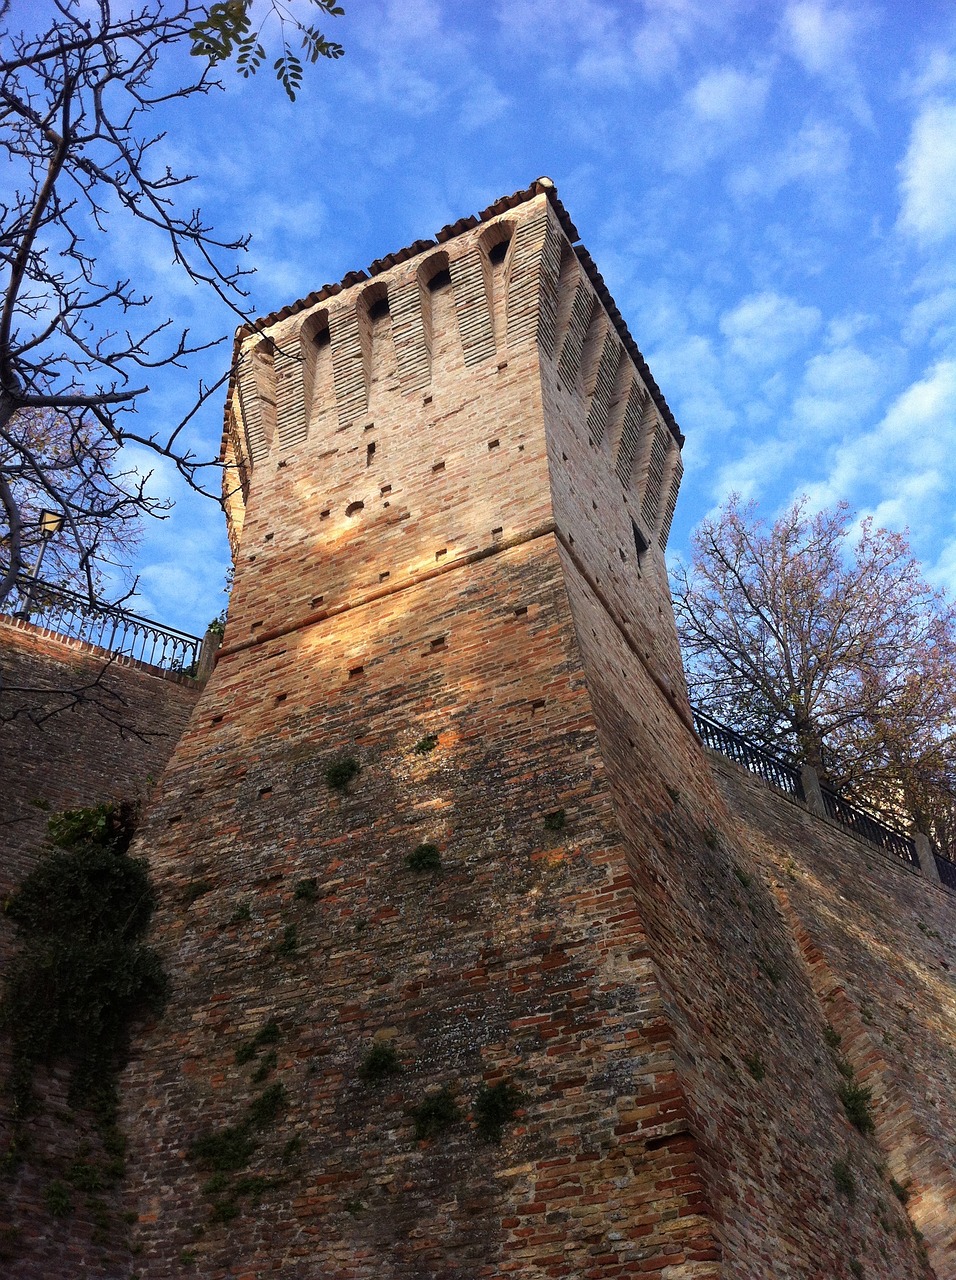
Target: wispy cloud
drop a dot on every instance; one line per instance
(823, 39)
(725, 105)
(765, 328)
(928, 175)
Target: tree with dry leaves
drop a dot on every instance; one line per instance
(820, 639)
(78, 86)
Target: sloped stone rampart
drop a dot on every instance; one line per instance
(77, 728)
(878, 943)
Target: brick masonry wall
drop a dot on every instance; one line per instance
(878, 942)
(58, 752)
(451, 527)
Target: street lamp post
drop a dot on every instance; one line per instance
(51, 522)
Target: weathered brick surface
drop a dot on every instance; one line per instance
(879, 945)
(59, 750)
(450, 523)
(57, 753)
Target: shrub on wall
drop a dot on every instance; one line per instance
(82, 974)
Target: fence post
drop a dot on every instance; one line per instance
(207, 655)
(927, 859)
(811, 790)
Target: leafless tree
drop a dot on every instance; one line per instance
(77, 345)
(825, 648)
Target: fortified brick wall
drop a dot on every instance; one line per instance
(77, 728)
(878, 942)
(450, 489)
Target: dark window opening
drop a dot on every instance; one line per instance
(354, 507)
(640, 542)
(369, 453)
(498, 254)
(378, 310)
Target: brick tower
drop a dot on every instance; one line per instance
(450, 483)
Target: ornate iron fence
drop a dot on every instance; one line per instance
(730, 743)
(107, 626)
(787, 777)
(870, 827)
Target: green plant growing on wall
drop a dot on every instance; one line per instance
(226, 1152)
(265, 1067)
(241, 915)
(494, 1106)
(268, 1033)
(82, 974)
(56, 1197)
(380, 1063)
(424, 746)
(425, 857)
(555, 821)
(755, 1065)
(843, 1179)
(436, 1113)
(857, 1099)
(306, 890)
(289, 944)
(341, 772)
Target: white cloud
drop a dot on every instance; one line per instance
(839, 388)
(906, 458)
(928, 175)
(822, 38)
(817, 157)
(765, 328)
(728, 98)
(723, 106)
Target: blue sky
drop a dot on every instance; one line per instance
(768, 187)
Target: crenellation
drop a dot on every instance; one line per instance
(450, 569)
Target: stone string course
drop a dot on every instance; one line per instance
(446, 573)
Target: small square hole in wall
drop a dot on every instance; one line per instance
(256, 625)
(355, 672)
(438, 642)
(521, 610)
(386, 488)
(493, 444)
(439, 466)
(281, 697)
(521, 448)
(426, 400)
(269, 537)
(386, 573)
(283, 462)
(502, 364)
(264, 791)
(496, 533)
(251, 558)
(315, 601)
(537, 704)
(368, 427)
(324, 515)
(217, 720)
(369, 452)
(441, 554)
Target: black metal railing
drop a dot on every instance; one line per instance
(947, 871)
(787, 777)
(107, 626)
(870, 827)
(730, 743)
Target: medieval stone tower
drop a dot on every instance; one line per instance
(597, 1020)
